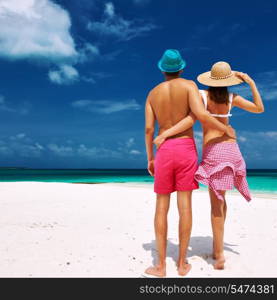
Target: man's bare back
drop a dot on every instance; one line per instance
(170, 103)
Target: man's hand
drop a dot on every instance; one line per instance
(150, 167)
(231, 132)
(159, 140)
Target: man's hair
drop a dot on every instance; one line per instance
(172, 73)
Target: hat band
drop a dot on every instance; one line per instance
(223, 77)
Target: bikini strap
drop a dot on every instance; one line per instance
(204, 97)
(231, 96)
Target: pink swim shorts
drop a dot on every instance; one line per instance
(175, 165)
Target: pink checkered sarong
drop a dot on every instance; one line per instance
(222, 168)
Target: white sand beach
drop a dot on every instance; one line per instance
(106, 230)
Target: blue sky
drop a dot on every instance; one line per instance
(74, 75)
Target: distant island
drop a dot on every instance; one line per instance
(13, 168)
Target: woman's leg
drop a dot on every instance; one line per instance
(218, 215)
(225, 208)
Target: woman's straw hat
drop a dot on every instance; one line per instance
(220, 75)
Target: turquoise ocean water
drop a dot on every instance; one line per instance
(264, 181)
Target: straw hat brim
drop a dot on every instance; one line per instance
(205, 79)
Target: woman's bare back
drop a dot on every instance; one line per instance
(211, 135)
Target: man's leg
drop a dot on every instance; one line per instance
(185, 224)
(160, 222)
(218, 215)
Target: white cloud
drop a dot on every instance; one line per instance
(92, 77)
(127, 147)
(81, 103)
(61, 150)
(270, 134)
(20, 145)
(5, 151)
(35, 29)
(66, 74)
(97, 152)
(106, 106)
(39, 30)
(115, 25)
(30, 150)
(88, 52)
(19, 136)
(4, 106)
(242, 139)
(83, 151)
(109, 10)
(39, 146)
(130, 142)
(23, 108)
(135, 152)
(258, 145)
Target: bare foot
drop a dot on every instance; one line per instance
(219, 262)
(183, 269)
(155, 271)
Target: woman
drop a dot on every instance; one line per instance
(222, 165)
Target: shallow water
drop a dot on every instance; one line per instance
(264, 181)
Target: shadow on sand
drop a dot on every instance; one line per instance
(199, 246)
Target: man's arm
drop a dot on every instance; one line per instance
(204, 117)
(182, 125)
(197, 107)
(149, 134)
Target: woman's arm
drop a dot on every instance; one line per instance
(182, 125)
(254, 107)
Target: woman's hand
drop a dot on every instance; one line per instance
(245, 77)
(159, 140)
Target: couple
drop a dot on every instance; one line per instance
(176, 104)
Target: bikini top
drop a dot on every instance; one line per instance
(205, 100)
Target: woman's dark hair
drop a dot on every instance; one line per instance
(219, 94)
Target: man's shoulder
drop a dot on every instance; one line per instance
(183, 83)
(188, 83)
(158, 88)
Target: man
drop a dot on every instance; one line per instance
(176, 159)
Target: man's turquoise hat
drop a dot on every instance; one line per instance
(171, 61)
